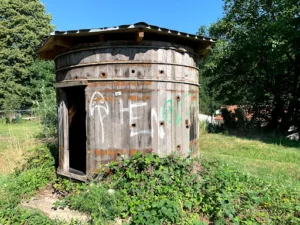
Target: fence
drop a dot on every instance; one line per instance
(13, 115)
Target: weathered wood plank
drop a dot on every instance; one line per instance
(137, 99)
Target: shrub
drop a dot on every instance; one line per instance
(146, 188)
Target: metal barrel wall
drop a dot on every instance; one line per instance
(137, 98)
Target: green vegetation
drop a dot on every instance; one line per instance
(241, 180)
(256, 62)
(34, 175)
(223, 189)
(15, 141)
(263, 156)
(24, 24)
(250, 179)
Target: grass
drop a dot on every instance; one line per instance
(244, 180)
(261, 157)
(15, 140)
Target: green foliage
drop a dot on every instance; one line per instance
(23, 25)
(147, 189)
(234, 197)
(46, 109)
(256, 62)
(44, 96)
(36, 173)
(102, 203)
(140, 188)
(42, 74)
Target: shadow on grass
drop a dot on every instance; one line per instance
(267, 137)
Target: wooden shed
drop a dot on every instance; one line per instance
(124, 89)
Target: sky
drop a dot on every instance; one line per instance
(182, 15)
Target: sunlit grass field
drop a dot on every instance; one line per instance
(15, 140)
(265, 157)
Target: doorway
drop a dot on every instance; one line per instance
(77, 129)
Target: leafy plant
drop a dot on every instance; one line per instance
(147, 189)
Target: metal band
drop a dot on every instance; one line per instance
(84, 82)
(123, 62)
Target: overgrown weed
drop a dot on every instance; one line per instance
(147, 189)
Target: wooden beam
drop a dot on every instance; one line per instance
(62, 42)
(47, 55)
(139, 35)
(71, 83)
(101, 38)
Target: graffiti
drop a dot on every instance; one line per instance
(169, 114)
(60, 114)
(135, 118)
(132, 117)
(129, 115)
(97, 103)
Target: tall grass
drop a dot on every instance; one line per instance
(15, 141)
(263, 157)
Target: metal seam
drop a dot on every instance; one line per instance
(123, 62)
(117, 80)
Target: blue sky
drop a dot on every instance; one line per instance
(183, 15)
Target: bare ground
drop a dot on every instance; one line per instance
(44, 202)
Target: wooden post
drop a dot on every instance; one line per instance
(139, 35)
(63, 132)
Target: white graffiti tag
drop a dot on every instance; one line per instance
(98, 102)
(133, 118)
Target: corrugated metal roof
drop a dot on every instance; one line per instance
(48, 48)
(132, 26)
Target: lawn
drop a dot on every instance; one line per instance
(265, 157)
(15, 140)
(242, 180)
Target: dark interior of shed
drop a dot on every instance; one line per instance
(77, 129)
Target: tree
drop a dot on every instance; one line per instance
(256, 63)
(23, 25)
(42, 79)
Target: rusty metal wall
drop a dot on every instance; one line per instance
(138, 98)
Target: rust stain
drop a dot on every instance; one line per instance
(148, 150)
(194, 142)
(121, 83)
(118, 83)
(61, 147)
(113, 153)
(132, 152)
(97, 170)
(100, 83)
(112, 98)
(139, 98)
(145, 82)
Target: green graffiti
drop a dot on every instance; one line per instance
(169, 114)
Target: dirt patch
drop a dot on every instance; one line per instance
(44, 202)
